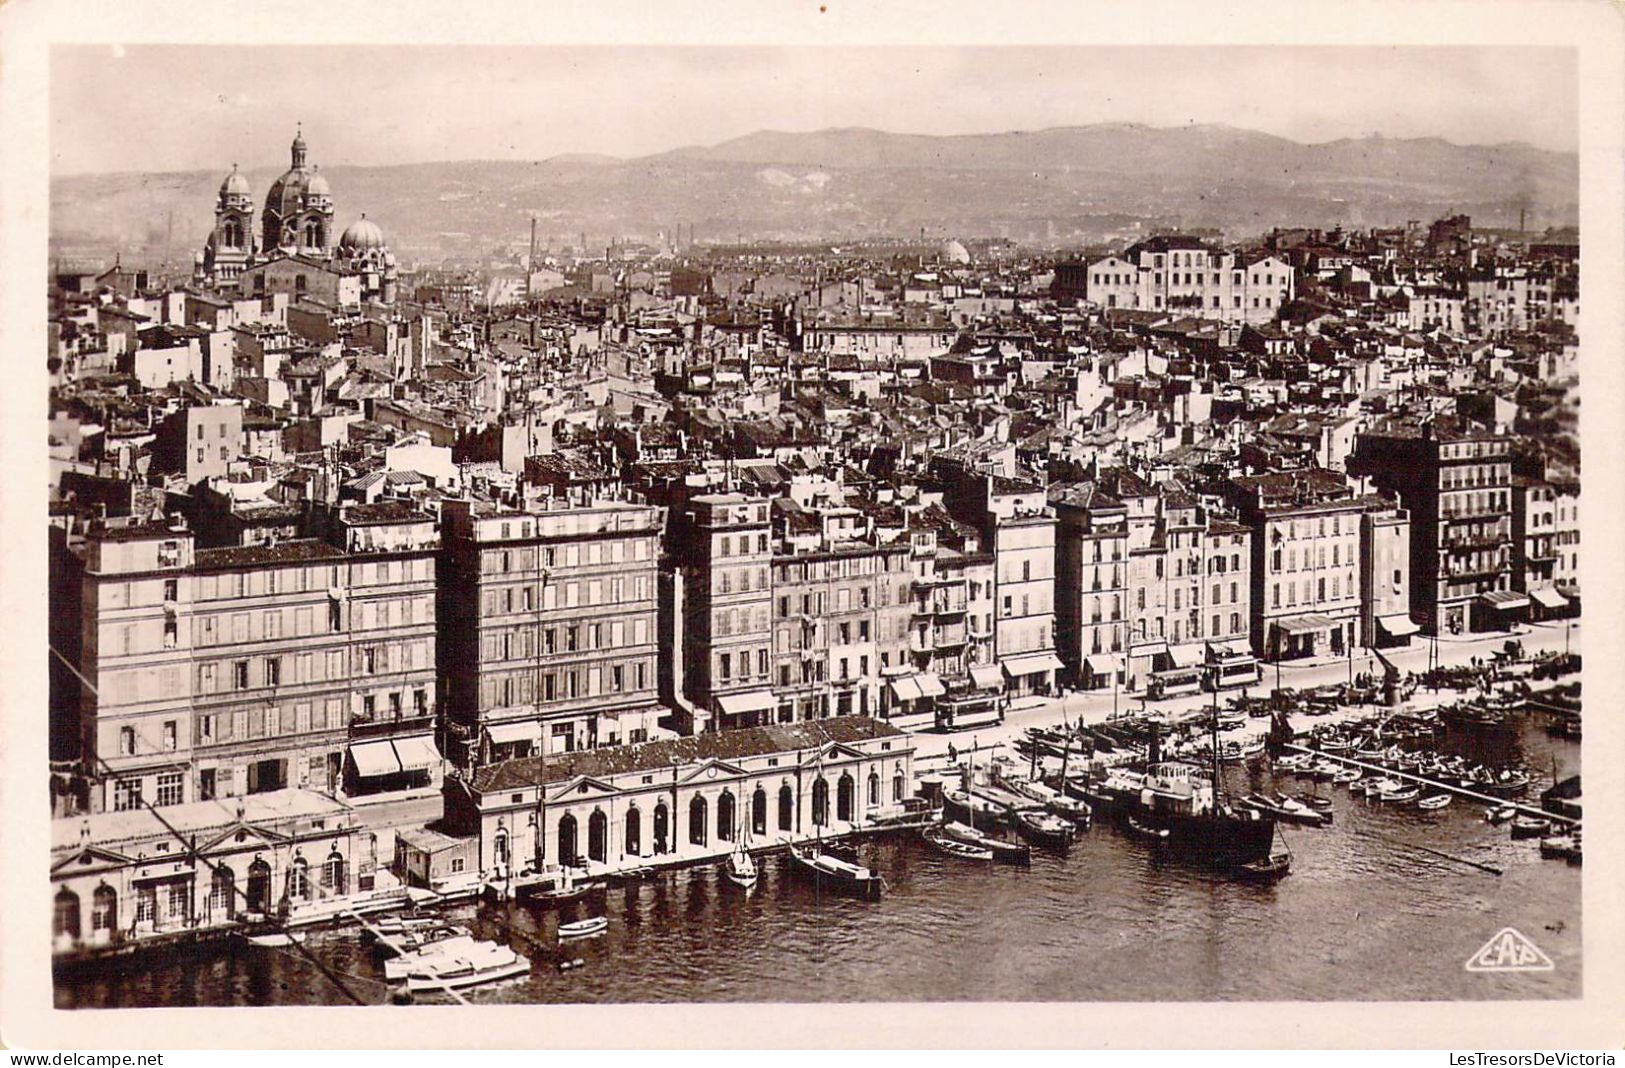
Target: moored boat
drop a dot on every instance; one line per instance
(274, 939)
(740, 868)
(1007, 852)
(1434, 802)
(942, 842)
(1146, 832)
(593, 925)
(1529, 827)
(472, 965)
(1044, 828)
(836, 873)
(1499, 814)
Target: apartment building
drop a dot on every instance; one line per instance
(727, 614)
(548, 627)
(1546, 544)
(1187, 277)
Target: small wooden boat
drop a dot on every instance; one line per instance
(1314, 801)
(1560, 846)
(1499, 814)
(1529, 827)
(418, 937)
(980, 812)
(1435, 802)
(1400, 796)
(275, 939)
(1044, 828)
(835, 873)
(1273, 867)
(943, 843)
(594, 925)
(1146, 832)
(1348, 776)
(1006, 852)
(565, 889)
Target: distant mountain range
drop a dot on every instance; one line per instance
(1062, 185)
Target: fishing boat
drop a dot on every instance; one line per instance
(593, 925)
(740, 869)
(1068, 808)
(1436, 801)
(835, 873)
(274, 939)
(1499, 814)
(564, 889)
(1314, 801)
(1400, 796)
(1560, 846)
(942, 842)
(395, 925)
(1347, 776)
(1267, 869)
(1285, 808)
(980, 812)
(1530, 827)
(1044, 828)
(1007, 852)
(1146, 832)
(475, 965)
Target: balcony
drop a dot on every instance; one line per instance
(385, 726)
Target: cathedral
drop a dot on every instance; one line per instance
(293, 251)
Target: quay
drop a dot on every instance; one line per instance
(1493, 802)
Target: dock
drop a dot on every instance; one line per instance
(1523, 807)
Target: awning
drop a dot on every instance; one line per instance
(930, 685)
(1398, 625)
(1189, 655)
(373, 759)
(1223, 651)
(906, 688)
(1547, 597)
(1308, 624)
(416, 753)
(1504, 600)
(1032, 663)
(508, 733)
(1102, 664)
(739, 704)
(987, 677)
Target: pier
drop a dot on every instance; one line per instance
(1522, 807)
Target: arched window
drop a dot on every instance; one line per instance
(299, 880)
(104, 909)
(233, 234)
(333, 873)
(845, 796)
(874, 789)
(223, 892)
(897, 787)
(696, 820)
(662, 828)
(313, 234)
(259, 886)
(499, 848)
(820, 802)
(567, 841)
(787, 808)
(634, 831)
(66, 921)
(725, 816)
(758, 811)
(598, 836)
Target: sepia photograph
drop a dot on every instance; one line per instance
(561, 523)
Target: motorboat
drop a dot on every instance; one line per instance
(942, 842)
(1434, 802)
(472, 965)
(588, 928)
(1007, 852)
(410, 941)
(1044, 828)
(836, 873)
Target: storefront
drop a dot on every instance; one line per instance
(384, 765)
(1500, 610)
(1031, 673)
(1395, 631)
(1308, 635)
(1548, 602)
(744, 709)
(1102, 671)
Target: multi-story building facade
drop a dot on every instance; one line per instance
(243, 670)
(1385, 578)
(549, 627)
(1185, 276)
(1455, 480)
(727, 611)
(1091, 585)
(1545, 543)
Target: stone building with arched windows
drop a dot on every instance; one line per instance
(685, 799)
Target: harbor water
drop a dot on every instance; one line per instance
(1364, 914)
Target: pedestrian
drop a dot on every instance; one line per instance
(953, 757)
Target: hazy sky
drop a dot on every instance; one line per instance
(160, 108)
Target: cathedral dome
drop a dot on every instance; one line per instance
(954, 252)
(317, 186)
(235, 184)
(361, 235)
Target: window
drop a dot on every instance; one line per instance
(126, 794)
(239, 675)
(169, 735)
(170, 790)
(273, 671)
(126, 741)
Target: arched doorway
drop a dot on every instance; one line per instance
(567, 841)
(259, 886)
(820, 806)
(874, 789)
(65, 920)
(844, 798)
(787, 808)
(104, 909)
(696, 820)
(598, 836)
(758, 811)
(725, 816)
(662, 828)
(634, 831)
(333, 874)
(223, 892)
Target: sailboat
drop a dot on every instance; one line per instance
(740, 867)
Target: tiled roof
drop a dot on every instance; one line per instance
(723, 745)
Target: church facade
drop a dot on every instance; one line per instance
(292, 248)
